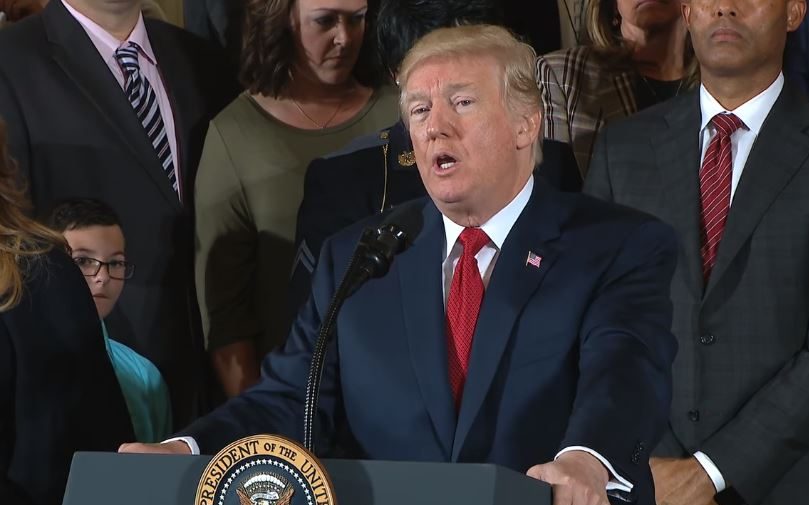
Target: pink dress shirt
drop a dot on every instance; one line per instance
(107, 44)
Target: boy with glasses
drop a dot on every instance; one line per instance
(96, 242)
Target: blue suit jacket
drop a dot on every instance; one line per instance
(575, 352)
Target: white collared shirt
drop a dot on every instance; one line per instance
(106, 45)
(752, 113)
(497, 228)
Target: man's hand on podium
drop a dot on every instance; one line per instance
(173, 447)
(577, 479)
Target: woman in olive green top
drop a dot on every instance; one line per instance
(309, 92)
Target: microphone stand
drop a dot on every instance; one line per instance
(353, 278)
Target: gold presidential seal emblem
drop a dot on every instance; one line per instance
(265, 470)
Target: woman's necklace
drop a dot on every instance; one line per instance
(311, 119)
(652, 89)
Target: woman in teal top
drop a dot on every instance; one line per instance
(94, 235)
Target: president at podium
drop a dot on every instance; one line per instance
(522, 326)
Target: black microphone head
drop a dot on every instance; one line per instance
(396, 233)
(404, 222)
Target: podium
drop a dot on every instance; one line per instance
(138, 479)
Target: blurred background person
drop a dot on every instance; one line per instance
(312, 85)
(96, 242)
(103, 103)
(638, 55)
(378, 171)
(58, 392)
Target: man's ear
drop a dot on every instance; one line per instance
(528, 129)
(685, 7)
(796, 10)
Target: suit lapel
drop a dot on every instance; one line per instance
(423, 309)
(512, 283)
(782, 147)
(77, 56)
(678, 153)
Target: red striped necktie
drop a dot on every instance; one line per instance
(714, 184)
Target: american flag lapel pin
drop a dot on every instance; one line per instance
(533, 259)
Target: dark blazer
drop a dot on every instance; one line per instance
(574, 352)
(371, 175)
(741, 390)
(74, 134)
(58, 392)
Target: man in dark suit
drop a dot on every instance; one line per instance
(378, 171)
(524, 326)
(727, 166)
(75, 133)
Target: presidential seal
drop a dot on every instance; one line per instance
(265, 470)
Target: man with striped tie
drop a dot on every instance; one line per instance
(103, 104)
(727, 165)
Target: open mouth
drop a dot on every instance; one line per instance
(445, 161)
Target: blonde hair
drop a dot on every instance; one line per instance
(603, 34)
(516, 58)
(22, 240)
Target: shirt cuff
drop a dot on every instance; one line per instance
(711, 470)
(189, 441)
(616, 482)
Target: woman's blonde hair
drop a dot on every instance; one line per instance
(520, 90)
(603, 34)
(22, 240)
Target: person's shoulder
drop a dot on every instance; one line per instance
(608, 219)
(344, 241)
(359, 146)
(21, 40)
(649, 122)
(574, 58)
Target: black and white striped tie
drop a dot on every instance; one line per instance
(144, 100)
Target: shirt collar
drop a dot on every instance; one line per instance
(106, 43)
(752, 113)
(498, 226)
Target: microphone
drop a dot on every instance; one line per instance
(372, 258)
(377, 247)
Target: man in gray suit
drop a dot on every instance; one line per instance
(728, 166)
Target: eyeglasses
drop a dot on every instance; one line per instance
(117, 269)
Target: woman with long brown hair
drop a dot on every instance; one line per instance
(312, 87)
(638, 54)
(58, 393)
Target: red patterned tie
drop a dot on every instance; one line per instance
(463, 306)
(714, 185)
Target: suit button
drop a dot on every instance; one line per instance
(693, 415)
(707, 339)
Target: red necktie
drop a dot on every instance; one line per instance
(714, 186)
(463, 306)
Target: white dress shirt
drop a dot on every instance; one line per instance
(106, 44)
(752, 113)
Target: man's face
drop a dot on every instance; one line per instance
(466, 141)
(741, 37)
(104, 243)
